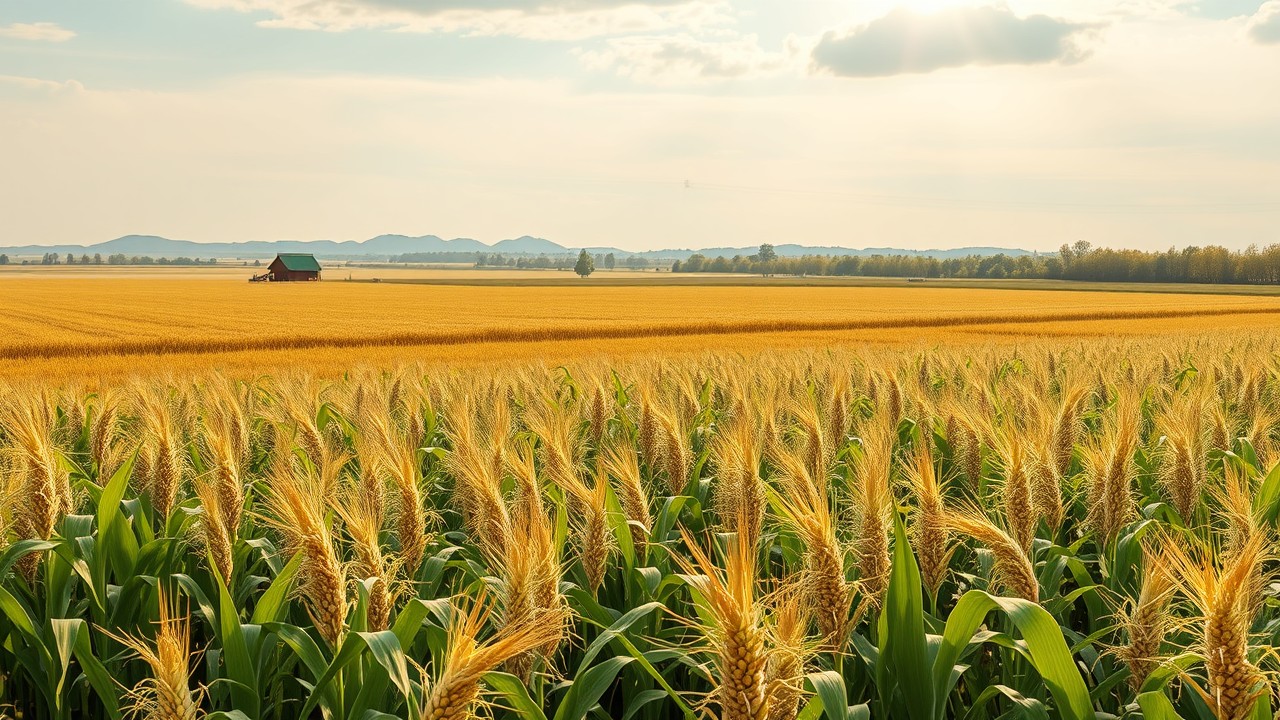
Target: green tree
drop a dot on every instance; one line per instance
(767, 253)
(97, 258)
(609, 261)
(585, 265)
(4, 259)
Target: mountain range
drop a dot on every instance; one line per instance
(386, 246)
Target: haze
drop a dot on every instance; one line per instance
(643, 124)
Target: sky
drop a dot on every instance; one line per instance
(644, 124)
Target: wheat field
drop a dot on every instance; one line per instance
(1050, 527)
(66, 327)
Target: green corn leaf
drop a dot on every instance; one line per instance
(244, 692)
(274, 602)
(117, 543)
(831, 693)
(516, 695)
(71, 637)
(1024, 707)
(812, 709)
(1266, 501)
(386, 650)
(1156, 706)
(588, 686)
(635, 703)
(16, 551)
(903, 674)
(1045, 644)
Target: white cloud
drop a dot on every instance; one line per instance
(1264, 26)
(40, 31)
(908, 42)
(683, 59)
(535, 19)
(15, 83)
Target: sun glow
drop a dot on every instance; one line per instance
(926, 7)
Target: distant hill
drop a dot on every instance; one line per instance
(383, 247)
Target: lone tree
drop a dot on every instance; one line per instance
(609, 261)
(585, 265)
(766, 256)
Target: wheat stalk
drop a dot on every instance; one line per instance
(456, 688)
(1013, 569)
(789, 651)
(805, 508)
(1224, 595)
(622, 463)
(167, 694)
(296, 508)
(873, 499)
(1148, 621)
(739, 492)
(737, 636)
(42, 495)
(929, 534)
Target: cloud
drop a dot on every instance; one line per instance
(535, 19)
(40, 31)
(1264, 27)
(907, 42)
(682, 59)
(38, 86)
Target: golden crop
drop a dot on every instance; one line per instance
(880, 532)
(93, 328)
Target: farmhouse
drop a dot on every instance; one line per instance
(288, 267)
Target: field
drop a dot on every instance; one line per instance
(764, 502)
(77, 325)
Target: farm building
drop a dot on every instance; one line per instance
(289, 267)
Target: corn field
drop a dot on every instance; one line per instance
(1050, 531)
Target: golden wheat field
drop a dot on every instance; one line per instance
(65, 326)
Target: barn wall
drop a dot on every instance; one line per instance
(294, 276)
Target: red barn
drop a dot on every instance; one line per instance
(289, 267)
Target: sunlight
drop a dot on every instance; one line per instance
(926, 7)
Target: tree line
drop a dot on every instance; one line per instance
(1081, 261)
(600, 260)
(115, 259)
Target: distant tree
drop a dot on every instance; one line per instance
(695, 263)
(609, 261)
(97, 258)
(71, 259)
(1081, 248)
(767, 253)
(585, 265)
(257, 263)
(4, 259)
(635, 262)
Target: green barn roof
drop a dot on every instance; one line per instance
(299, 262)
